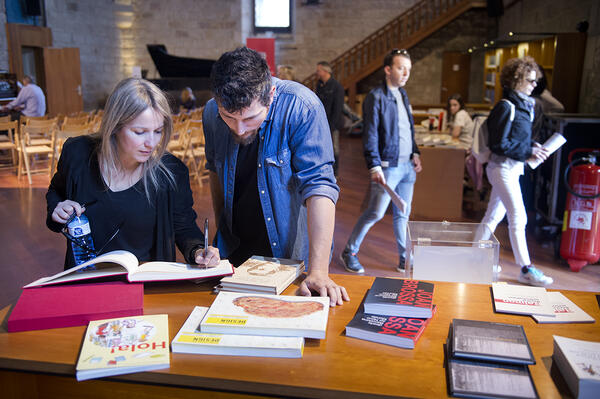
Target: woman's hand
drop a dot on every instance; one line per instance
(210, 258)
(539, 152)
(65, 209)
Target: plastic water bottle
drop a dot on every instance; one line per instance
(79, 229)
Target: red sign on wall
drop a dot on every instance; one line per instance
(266, 47)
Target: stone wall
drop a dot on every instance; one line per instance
(90, 25)
(324, 31)
(563, 16)
(110, 47)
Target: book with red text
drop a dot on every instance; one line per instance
(403, 332)
(521, 299)
(124, 345)
(75, 305)
(398, 297)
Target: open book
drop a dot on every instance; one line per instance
(124, 262)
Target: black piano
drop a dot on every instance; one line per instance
(177, 73)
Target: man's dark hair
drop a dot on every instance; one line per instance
(326, 66)
(239, 77)
(389, 58)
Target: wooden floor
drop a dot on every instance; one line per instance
(29, 250)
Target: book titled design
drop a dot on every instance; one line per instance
(124, 345)
(263, 275)
(75, 305)
(403, 332)
(125, 263)
(396, 297)
(469, 379)
(497, 342)
(521, 299)
(190, 339)
(565, 311)
(579, 364)
(261, 314)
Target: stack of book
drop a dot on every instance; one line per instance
(579, 364)
(262, 275)
(394, 312)
(488, 360)
(243, 324)
(544, 306)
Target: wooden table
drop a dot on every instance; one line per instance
(438, 192)
(42, 363)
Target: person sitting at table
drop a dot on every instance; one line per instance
(460, 124)
(188, 100)
(139, 195)
(29, 102)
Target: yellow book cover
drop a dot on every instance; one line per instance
(124, 345)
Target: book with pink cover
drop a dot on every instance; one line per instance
(121, 262)
(75, 305)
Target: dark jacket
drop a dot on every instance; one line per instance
(506, 138)
(380, 131)
(76, 179)
(331, 95)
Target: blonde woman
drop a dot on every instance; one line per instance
(138, 195)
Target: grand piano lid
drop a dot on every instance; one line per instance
(172, 66)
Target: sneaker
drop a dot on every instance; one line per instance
(402, 265)
(535, 277)
(351, 262)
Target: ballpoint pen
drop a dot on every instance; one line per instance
(205, 236)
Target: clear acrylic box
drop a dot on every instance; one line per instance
(448, 251)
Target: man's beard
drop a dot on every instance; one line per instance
(249, 139)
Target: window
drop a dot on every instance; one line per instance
(273, 15)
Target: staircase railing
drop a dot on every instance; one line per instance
(405, 31)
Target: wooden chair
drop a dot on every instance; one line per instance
(197, 149)
(39, 132)
(177, 141)
(75, 120)
(25, 119)
(10, 142)
(186, 153)
(64, 133)
(29, 154)
(4, 119)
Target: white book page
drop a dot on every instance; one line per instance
(105, 266)
(565, 311)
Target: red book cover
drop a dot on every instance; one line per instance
(398, 297)
(398, 331)
(75, 305)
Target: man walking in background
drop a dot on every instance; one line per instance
(331, 93)
(392, 156)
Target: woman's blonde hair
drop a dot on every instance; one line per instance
(128, 100)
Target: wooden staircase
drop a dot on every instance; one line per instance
(405, 31)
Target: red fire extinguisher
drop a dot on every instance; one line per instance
(580, 241)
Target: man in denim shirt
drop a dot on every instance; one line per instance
(269, 156)
(391, 153)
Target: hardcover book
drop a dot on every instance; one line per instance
(125, 263)
(189, 339)
(403, 332)
(469, 379)
(521, 299)
(396, 297)
(579, 364)
(565, 311)
(264, 275)
(75, 305)
(496, 342)
(124, 345)
(261, 314)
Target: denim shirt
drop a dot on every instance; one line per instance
(380, 131)
(295, 162)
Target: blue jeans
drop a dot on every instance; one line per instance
(402, 180)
